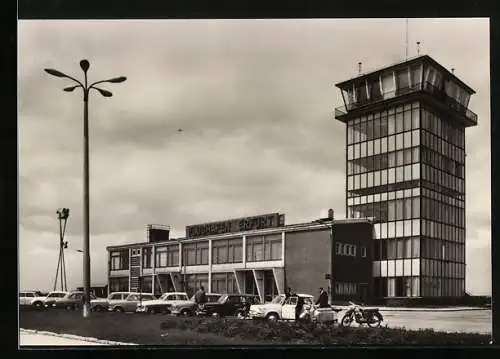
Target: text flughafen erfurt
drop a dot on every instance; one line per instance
(272, 220)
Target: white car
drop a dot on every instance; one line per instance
(30, 298)
(54, 297)
(280, 308)
(164, 304)
(102, 304)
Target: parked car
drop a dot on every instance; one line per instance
(164, 303)
(29, 298)
(72, 301)
(129, 304)
(228, 305)
(189, 308)
(102, 304)
(53, 297)
(280, 308)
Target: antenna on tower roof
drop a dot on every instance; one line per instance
(418, 48)
(406, 42)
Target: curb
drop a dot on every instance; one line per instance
(440, 310)
(74, 337)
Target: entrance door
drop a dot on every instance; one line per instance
(363, 292)
(288, 308)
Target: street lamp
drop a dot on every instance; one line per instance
(84, 64)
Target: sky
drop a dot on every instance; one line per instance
(254, 100)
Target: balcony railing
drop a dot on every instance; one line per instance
(427, 87)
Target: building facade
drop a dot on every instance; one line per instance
(249, 260)
(405, 167)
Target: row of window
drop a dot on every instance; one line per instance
(264, 248)
(416, 227)
(437, 160)
(167, 256)
(224, 283)
(437, 268)
(397, 287)
(443, 198)
(439, 145)
(441, 128)
(344, 249)
(443, 179)
(396, 268)
(382, 145)
(227, 251)
(346, 288)
(403, 248)
(441, 189)
(384, 161)
(410, 192)
(384, 177)
(392, 123)
(418, 286)
(118, 284)
(441, 212)
(119, 260)
(394, 210)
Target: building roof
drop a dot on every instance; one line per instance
(323, 223)
(416, 59)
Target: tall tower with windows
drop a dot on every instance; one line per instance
(405, 156)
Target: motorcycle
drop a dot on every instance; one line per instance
(370, 316)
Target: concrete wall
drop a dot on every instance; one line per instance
(307, 261)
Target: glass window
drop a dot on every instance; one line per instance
(391, 124)
(407, 139)
(383, 143)
(415, 171)
(391, 159)
(369, 148)
(407, 120)
(392, 143)
(415, 118)
(391, 175)
(399, 158)
(399, 141)
(399, 174)
(399, 122)
(415, 138)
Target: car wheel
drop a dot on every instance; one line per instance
(215, 315)
(69, 307)
(186, 312)
(272, 317)
(151, 310)
(119, 310)
(38, 305)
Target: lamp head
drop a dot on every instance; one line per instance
(84, 64)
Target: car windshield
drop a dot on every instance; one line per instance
(277, 299)
(222, 299)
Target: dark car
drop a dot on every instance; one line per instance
(229, 305)
(71, 301)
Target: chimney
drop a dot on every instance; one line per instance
(359, 67)
(418, 48)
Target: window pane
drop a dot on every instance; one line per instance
(415, 138)
(407, 120)
(391, 125)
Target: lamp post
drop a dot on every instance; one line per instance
(84, 64)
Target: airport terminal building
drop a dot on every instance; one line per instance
(404, 236)
(257, 255)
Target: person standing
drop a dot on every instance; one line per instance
(322, 299)
(200, 297)
(298, 307)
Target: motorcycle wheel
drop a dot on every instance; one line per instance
(375, 321)
(346, 320)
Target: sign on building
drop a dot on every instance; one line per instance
(271, 220)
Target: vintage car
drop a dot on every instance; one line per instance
(29, 298)
(102, 304)
(228, 305)
(129, 303)
(163, 304)
(72, 301)
(189, 308)
(282, 308)
(51, 298)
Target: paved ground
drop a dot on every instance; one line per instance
(36, 338)
(469, 321)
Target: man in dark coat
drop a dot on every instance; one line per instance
(322, 299)
(200, 297)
